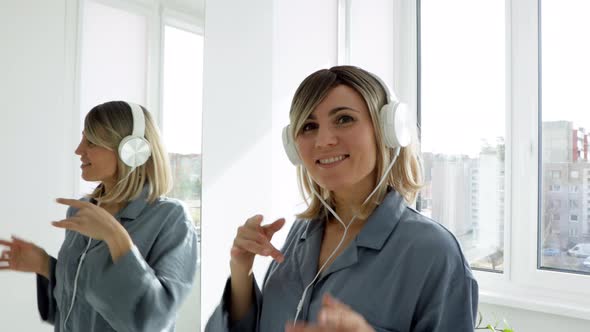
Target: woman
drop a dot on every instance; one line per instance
(129, 255)
(359, 258)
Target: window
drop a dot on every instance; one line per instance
(467, 67)
(182, 89)
(563, 68)
(520, 48)
(182, 109)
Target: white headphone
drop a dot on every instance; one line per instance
(135, 150)
(393, 119)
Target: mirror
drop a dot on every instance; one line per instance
(58, 61)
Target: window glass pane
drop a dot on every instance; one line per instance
(182, 109)
(113, 60)
(462, 112)
(181, 129)
(565, 230)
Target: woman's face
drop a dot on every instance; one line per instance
(98, 163)
(337, 143)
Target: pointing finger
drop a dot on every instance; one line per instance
(254, 220)
(271, 229)
(65, 224)
(73, 203)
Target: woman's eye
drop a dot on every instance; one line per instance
(90, 144)
(309, 126)
(345, 119)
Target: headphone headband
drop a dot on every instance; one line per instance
(135, 150)
(138, 120)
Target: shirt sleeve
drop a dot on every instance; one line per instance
(134, 295)
(220, 321)
(45, 300)
(46, 303)
(449, 297)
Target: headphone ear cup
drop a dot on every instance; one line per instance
(394, 120)
(290, 148)
(134, 151)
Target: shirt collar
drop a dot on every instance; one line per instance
(311, 226)
(378, 227)
(132, 210)
(382, 221)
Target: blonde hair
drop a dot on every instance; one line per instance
(406, 174)
(106, 125)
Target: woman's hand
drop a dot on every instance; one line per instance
(334, 316)
(90, 220)
(97, 223)
(253, 239)
(24, 256)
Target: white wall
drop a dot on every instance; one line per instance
(35, 125)
(293, 60)
(237, 106)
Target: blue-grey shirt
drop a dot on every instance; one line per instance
(402, 272)
(142, 291)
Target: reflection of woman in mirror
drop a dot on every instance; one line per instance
(129, 255)
(359, 258)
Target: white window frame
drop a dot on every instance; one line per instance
(522, 285)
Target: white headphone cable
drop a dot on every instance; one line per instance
(300, 304)
(76, 282)
(76, 278)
